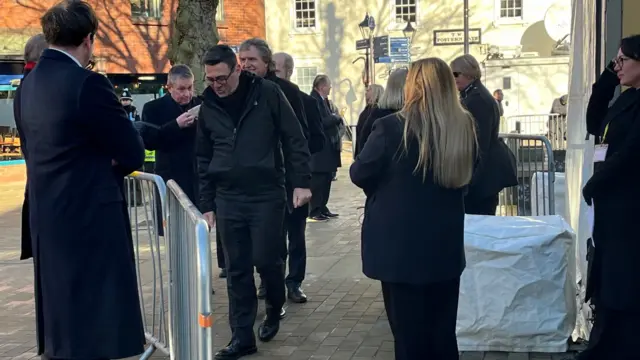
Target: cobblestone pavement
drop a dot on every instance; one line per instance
(344, 318)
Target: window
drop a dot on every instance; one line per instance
(151, 9)
(220, 11)
(405, 10)
(305, 14)
(305, 77)
(510, 9)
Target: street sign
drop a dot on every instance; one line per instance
(381, 46)
(362, 44)
(456, 37)
(399, 50)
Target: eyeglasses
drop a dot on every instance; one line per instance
(619, 61)
(220, 79)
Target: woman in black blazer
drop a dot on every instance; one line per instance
(391, 101)
(613, 285)
(372, 96)
(414, 169)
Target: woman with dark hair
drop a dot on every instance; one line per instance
(32, 51)
(613, 286)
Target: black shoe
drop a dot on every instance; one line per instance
(235, 351)
(223, 274)
(317, 218)
(268, 329)
(262, 292)
(283, 313)
(296, 295)
(330, 215)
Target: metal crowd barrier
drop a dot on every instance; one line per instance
(535, 193)
(553, 126)
(191, 317)
(175, 296)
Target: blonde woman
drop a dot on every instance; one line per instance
(391, 101)
(414, 169)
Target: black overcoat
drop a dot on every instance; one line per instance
(86, 295)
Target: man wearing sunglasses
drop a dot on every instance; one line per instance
(247, 135)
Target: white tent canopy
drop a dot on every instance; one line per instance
(580, 151)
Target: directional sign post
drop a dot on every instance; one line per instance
(380, 49)
(399, 50)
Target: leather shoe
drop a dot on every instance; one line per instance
(235, 351)
(296, 295)
(262, 292)
(268, 329)
(330, 215)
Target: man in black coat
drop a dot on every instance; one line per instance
(32, 51)
(496, 167)
(296, 220)
(248, 135)
(80, 144)
(325, 163)
(169, 129)
(257, 58)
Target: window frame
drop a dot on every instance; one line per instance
(220, 11)
(297, 78)
(305, 30)
(157, 5)
(508, 20)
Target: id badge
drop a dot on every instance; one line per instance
(600, 152)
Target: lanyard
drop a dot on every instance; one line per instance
(604, 135)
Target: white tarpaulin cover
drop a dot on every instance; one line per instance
(518, 291)
(580, 151)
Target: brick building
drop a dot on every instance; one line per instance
(134, 34)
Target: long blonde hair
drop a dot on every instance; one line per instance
(444, 131)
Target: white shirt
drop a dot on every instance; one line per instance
(69, 55)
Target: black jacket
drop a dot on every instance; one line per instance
(616, 196)
(175, 147)
(246, 162)
(328, 159)
(291, 92)
(374, 114)
(496, 166)
(413, 230)
(314, 121)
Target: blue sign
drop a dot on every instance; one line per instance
(399, 50)
(383, 60)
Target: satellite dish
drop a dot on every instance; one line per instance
(557, 20)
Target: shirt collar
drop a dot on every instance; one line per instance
(69, 55)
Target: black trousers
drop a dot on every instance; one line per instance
(219, 251)
(486, 206)
(295, 225)
(251, 234)
(320, 190)
(423, 319)
(614, 335)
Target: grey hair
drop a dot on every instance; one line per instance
(34, 48)
(393, 96)
(467, 65)
(288, 61)
(377, 90)
(179, 71)
(263, 49)
(320, 80)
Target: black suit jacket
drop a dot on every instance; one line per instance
(413, 230)
(175, 147)
(496, 164)
(327, 160)
(25, 240)
(314, 121)
(81, 235)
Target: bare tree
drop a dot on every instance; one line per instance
(194, 32)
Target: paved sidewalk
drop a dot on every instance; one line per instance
(344, 318)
